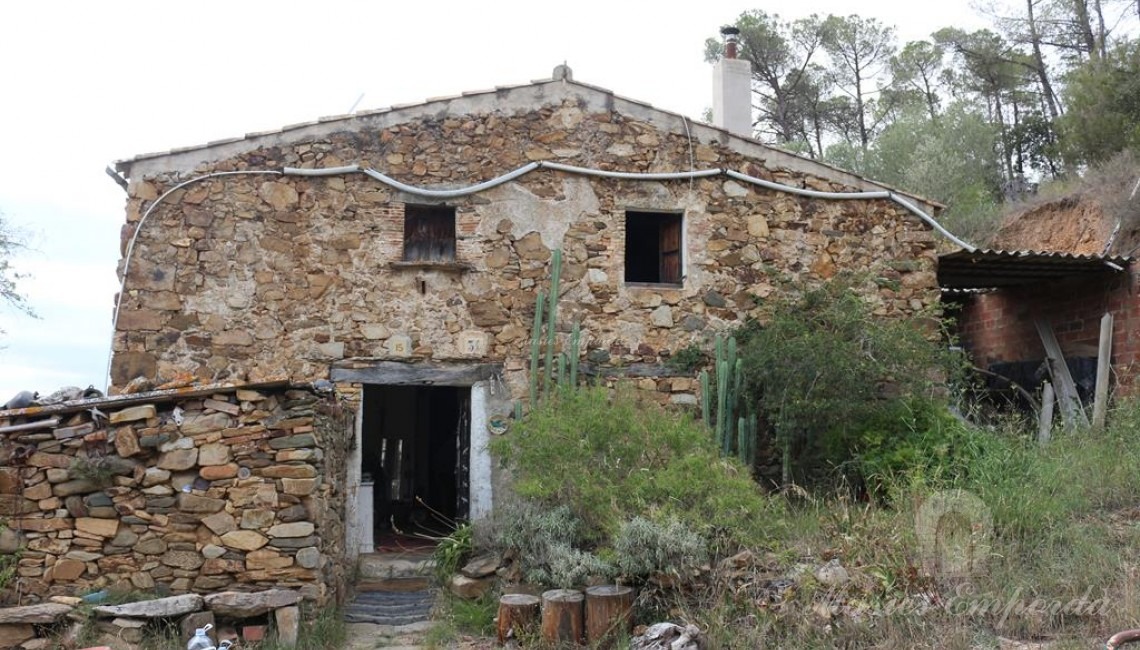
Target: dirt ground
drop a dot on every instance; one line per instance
(1073, 224)
(367, 636)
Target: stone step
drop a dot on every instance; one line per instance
(417, 583)
(390, 608)
(381, 566)
(385, 620)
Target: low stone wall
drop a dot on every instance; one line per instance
(230, 615)
(227, 490)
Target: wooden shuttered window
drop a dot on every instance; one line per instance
(429, 233)
(653, 248)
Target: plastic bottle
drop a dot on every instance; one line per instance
(201, 640)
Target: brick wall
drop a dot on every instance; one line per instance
(998, 326)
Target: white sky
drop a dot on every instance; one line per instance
(86, 83)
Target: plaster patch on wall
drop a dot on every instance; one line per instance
(513, 201)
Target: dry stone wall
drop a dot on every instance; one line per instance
(244, 277)
(234, 490)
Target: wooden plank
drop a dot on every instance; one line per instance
(1072, 412)
(165, 395)
(1045, 415)
(654, 370)
(1104, 356)
(396, 373)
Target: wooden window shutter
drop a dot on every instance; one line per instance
(670, 234)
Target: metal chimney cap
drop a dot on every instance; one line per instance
(729, 30)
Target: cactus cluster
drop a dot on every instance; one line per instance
(719, 403)
(559, 370)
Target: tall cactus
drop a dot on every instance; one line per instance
(575, 350)
(552, 321)
(729, 376)
(706, 399)
(746, 440)
(535, 343)
(557, 370)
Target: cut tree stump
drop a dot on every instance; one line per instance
(609, 614)
(562, 615)
(518, 616)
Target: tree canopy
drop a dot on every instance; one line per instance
(970, 118)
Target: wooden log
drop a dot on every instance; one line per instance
(609, 614)
(562, 615)
(518, 616)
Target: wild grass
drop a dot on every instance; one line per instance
(1063, 529)
(324, 630)
(454, 617)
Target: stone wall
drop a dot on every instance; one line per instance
(244, 277)
(233, 489)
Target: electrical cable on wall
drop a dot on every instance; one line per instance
(508, 177)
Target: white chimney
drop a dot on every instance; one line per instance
(732, 88)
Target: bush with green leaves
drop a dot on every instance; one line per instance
(833, 380)
(609, 456)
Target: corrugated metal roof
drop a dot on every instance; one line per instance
(994, 269)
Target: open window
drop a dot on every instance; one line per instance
(429, 233)
(653, 247)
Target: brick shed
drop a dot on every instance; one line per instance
(999, 295)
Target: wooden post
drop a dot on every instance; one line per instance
(518, 616)
(562, 615)
(1072, 412)
(1045, 421)
(1104, 355)
(609, 614)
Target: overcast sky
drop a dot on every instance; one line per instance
(86, 83)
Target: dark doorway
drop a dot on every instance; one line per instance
(415, 447)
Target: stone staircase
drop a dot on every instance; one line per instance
(393, 600)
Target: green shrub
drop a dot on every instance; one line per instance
(825, 370)
(688, 359)
(610, 458)
(906, 440)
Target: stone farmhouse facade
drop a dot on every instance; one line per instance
(368, 254)
(285, 260)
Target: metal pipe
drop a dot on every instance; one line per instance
(328, 171)
(450, 194)
(30, 426)
(632, 176)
